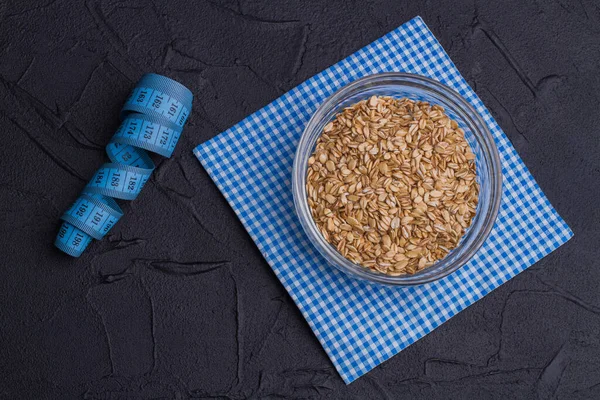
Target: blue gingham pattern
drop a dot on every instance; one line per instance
(360, 325)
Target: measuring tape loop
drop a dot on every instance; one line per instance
(94, 215)
(72, 240)
(119, 181)
(152, 120)
(148, 132)
(159, 95)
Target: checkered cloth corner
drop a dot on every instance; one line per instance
(360, 325)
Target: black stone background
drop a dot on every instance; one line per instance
(177, 302)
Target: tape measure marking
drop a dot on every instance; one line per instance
(159, 95)
(71, 240)
(129, 155)
(147, 132)
(93, 215)
(145, 99)
(119, 181)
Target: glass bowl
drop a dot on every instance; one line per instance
(415, 87)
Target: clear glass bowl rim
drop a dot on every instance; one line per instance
(455, 259)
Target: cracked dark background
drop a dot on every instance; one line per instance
(176, 302)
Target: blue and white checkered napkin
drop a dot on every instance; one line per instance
(361, 325)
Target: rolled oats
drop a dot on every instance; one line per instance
(392, 184)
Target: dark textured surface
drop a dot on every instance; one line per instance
(177, 302)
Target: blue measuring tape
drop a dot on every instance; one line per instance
(152, 120)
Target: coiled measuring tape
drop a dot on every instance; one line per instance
(152, 120)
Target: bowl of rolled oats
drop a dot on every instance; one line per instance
(397, 179)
